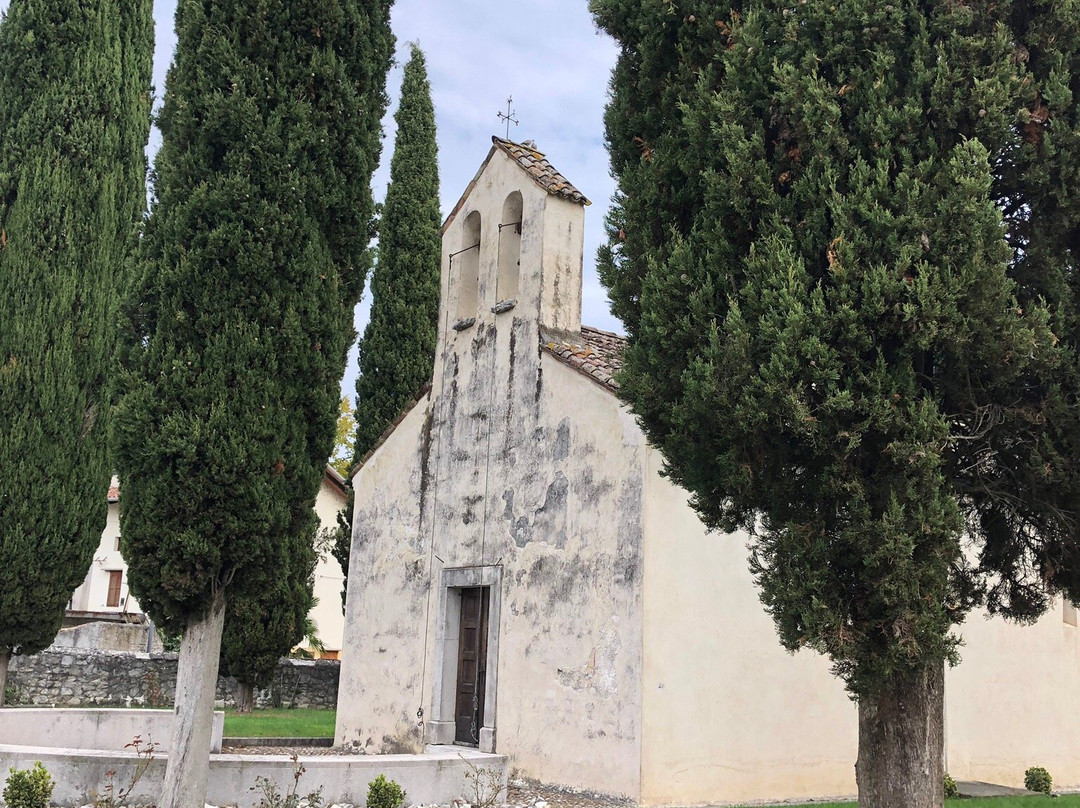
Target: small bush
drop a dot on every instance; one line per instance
(1038, 779)
(383, 793)
(951, 792)
(28, 788)
(273, 798)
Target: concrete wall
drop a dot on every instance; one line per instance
(434, 778)
(78, 677)
(105, 730)
(728, 715)
(519, 469)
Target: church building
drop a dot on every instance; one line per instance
(524, 580)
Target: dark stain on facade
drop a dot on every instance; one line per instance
(591, 493)
(518, 527)
(628, 548)
(425, 461)
(471, 502)
(560, 449)
(549, 521)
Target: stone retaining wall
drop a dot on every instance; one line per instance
(72, 677)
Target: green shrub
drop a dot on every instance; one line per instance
(1038, 779)
(951, 792)
(28, 788)
(383, 793)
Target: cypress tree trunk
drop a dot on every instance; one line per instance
(5, 658)
(188, 764)
(245, 697)
(902, 742)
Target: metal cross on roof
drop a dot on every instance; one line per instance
(509, 116)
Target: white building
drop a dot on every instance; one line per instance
(523, 579)
(104, 595)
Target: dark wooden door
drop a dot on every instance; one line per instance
(472, 665)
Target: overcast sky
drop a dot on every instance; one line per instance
(546, 53)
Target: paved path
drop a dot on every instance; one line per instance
(973, 788)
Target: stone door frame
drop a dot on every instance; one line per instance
(441, 724)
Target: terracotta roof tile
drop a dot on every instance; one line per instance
(598, 355)
(537, 166)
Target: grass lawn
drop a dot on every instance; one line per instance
(1064, 801)
(282, 724)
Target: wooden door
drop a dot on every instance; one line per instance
(112, 597)
(472, 665)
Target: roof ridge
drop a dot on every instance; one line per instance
(593, 357)
(535, 163)
(617, 336)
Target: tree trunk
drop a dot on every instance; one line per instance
(245, 697)
(902, 743)
(188, 765)
(5, 657)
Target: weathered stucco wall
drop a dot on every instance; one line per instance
(382, 662)
(518, 465)
(570, 654)
(728, 715)
(1013, 702)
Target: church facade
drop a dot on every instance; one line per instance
(524, 580)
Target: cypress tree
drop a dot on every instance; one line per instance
(841, 249)
(398, 347)
(252, 261)
(74, 119)
(397, 350)
(265, 621)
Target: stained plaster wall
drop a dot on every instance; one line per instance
(520, 463)
(382, 662)
(727, 714)
(1013, 701)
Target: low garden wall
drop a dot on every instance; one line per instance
(106, 729)
(74, 677)
(439, 776)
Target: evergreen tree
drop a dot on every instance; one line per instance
(252, 261)
(74, 119)
(264, 623)
(397, 351)
(843, 262)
